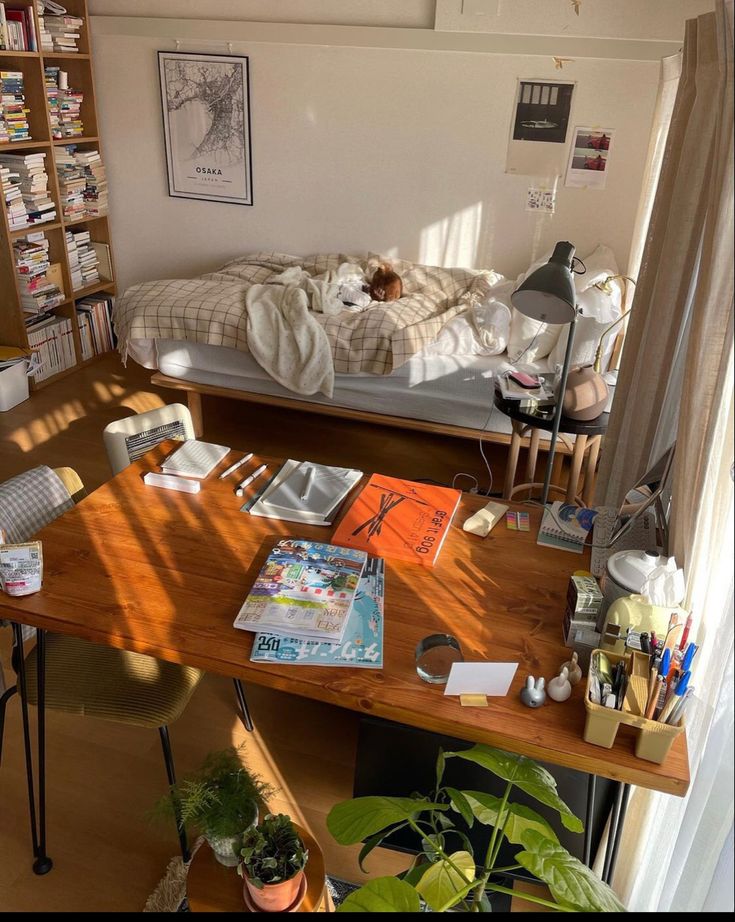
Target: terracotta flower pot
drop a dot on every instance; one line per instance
(276, 897)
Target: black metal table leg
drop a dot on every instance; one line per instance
(617, 817)
(42, 864)
(591, 791)
(18, 643)
(244, 710)
(619, 830)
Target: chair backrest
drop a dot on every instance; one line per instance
(33, 499)
(129, 438)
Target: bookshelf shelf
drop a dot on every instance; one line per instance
(62, 252)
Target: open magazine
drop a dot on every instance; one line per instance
(362, 644)
(305, 588)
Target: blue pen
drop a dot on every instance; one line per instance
(663, 669)
(686, 663)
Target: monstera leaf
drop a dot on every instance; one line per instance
(384, 894)
(355, 820)
(441, 885)
(525, 774)
(572, 883)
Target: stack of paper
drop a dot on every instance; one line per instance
(304, 491)
(305, 589)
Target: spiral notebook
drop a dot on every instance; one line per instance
(566, 527)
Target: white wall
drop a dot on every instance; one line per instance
(355, 149)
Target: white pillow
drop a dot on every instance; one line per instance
(480, 330)
(530, 340)
(598, 311)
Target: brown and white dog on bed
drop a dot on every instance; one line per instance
(385, 285)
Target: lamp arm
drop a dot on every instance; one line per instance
(604, 286)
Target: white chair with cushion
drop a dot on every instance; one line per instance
(129, 438)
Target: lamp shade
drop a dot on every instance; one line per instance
(548, 294)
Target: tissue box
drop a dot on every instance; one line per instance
(584, 598)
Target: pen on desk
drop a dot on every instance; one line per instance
(234, 467)
(308, 480)
(248, 480)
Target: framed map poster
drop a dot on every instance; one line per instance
(206, 125)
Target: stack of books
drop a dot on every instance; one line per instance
(62, 31)
(72, 183)
(362, 641)
(13, 112)
(83, 259)
(13, 197)
(44, 36)
(17, 29)
(303, 491)
(39, 281)
(51, 339)
(32, 179)
(94, 319)
(64, 105)
(305, 589)
(95, 193)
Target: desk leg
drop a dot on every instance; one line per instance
(4, 698)
(589, 818)
(580, 444)
(43, 863)
(512, 462)
(617, 819)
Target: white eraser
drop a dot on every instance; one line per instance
(170, 482)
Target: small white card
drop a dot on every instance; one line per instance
(480, 679)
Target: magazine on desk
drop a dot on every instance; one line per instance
(306, 589)
(362, 644)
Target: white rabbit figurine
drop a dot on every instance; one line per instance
(533, 693)
(559, 687)
(573, 668)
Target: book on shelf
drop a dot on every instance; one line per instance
(82, 182)
(399, 519)
(566, 526)
(94, 319)
(304, 589)
(17, 29)
(27, 186)
(361, 645)
(64, 104)
(40, 282)
(82, 258)
(13, 110)
(51, 339)
(59, 31)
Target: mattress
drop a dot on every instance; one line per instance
(456, 390)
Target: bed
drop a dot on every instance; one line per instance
(426, 361)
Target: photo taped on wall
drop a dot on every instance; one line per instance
(542, 111)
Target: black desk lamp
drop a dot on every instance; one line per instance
(548, 295)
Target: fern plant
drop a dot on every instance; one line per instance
(447, 874)
(220, 799)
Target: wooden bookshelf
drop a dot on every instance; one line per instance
(78, 66)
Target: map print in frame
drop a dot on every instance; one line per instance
(206, 123)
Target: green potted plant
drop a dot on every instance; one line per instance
(447, 875)
(273, 862)
(220, 801)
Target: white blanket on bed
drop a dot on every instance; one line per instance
(286, 340)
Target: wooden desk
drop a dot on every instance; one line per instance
(165, 573)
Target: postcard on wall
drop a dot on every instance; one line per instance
(206, 123)
(539, 127)
(588, 158)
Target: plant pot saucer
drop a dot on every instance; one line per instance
(294, 907)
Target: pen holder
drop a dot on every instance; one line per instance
(654, 739)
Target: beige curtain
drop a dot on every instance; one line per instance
(672, 848)
(662, 295)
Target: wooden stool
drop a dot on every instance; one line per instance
(528, 423)
(211, 887)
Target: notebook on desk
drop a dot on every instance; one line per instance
(194, 459)
(279, 501)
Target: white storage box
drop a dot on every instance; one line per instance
(13, 386)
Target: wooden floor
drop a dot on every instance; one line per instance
(103, 778)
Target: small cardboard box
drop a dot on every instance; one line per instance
(584, 598)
